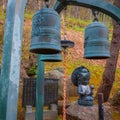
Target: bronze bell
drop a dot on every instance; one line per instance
(96, 45)
(51, 57)
(45, 32)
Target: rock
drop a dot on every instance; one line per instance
(58, 74)
(60, 107)
(116, 99)
(55, 74)
(77, 112)
(59, 69)
(72, 90)
(23, 73)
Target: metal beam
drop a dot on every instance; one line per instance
(10, 72)
(100, 5)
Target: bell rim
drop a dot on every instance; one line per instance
(105, 56)
(51, 57)
(42, 47)
(51, 60)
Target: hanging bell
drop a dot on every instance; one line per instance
(96, 45)
(51, 57)
(45, 36)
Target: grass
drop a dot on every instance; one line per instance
(2, 17)
(76, 24)
(28, 15)
(2, 14)
(115, 114)
(95, 70)
(80, 25)
(116, 85)
(59, 118)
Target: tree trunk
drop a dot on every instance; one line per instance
(109, 73)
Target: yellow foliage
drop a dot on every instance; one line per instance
(21, 110)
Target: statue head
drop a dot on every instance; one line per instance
(81, 75)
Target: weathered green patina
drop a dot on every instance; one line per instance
(10, 72)
(96, 46)
(51, 57)
(100, 5)
(9, 81)
(45, 36)
(39, 90)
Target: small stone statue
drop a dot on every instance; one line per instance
(80, 78)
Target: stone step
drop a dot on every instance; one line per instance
(48, 115)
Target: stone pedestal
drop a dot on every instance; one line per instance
(29, 115)
(53, 107)
(28, 109)
(77, 112)
(48, 115)
(51, 114)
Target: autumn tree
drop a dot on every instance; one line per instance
(110, 68)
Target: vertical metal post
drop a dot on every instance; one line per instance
(10, 72)
(100, 106)
(64, 86)
(39, 90)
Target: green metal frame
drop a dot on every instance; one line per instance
(11, 56)
(39, 90)
(9, 80)
(100, 5)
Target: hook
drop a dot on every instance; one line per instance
(46, 3)
(95, 13)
